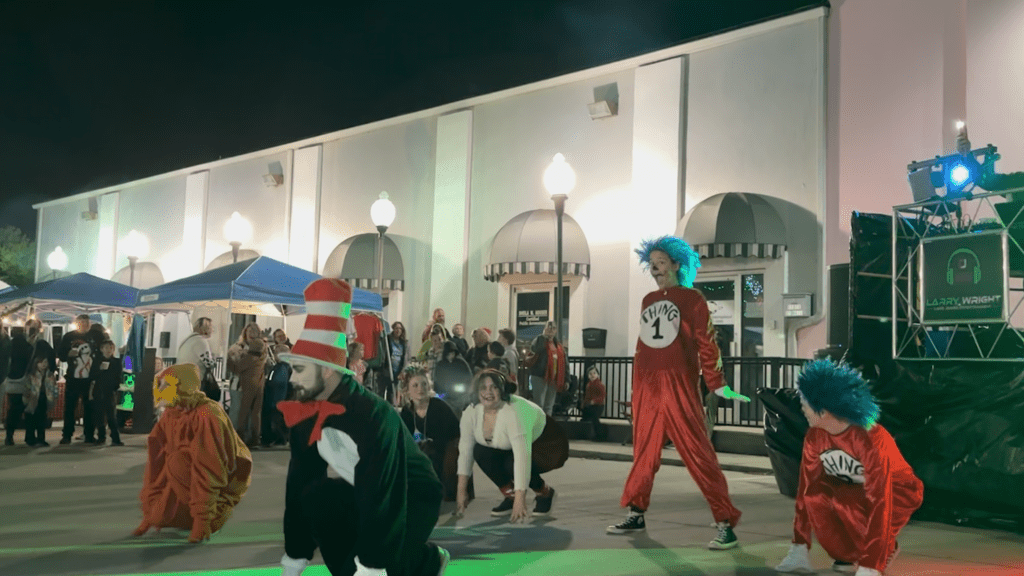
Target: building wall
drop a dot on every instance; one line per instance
(514, 141)
(157, 209)
(62, 225)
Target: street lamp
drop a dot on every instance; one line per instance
(135, 245)
(237, 230)
(559, 180)
(57, 260)
(382, 212)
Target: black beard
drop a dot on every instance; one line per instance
(303, 394)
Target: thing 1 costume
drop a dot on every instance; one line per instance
(676, 343)
(197, 467)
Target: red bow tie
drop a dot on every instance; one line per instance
(295, 412)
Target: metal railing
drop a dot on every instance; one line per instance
(744, 375)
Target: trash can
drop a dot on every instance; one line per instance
(594, 341)
(784, 430)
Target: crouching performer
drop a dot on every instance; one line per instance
(358, 487)
(856, 491)
(198, 468)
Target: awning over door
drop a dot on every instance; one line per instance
(355, 261)
(734, 225)
(528, 244)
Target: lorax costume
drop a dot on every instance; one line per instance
(358, 487)
(856, 491)
(677, 344)
(198, 468)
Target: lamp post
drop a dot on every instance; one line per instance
(559, 180)
(382, 212)
(135, 245)
(237, 230)
(57, 261)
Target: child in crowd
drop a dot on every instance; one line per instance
(593, 404)
(856, 491)
(106, 379)
(40, 395)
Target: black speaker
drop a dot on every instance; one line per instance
(839, 305)
(165, 339)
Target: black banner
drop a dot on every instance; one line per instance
(532, 313)
(963, 278)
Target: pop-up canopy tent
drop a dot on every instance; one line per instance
(78, 293)
(249, 287)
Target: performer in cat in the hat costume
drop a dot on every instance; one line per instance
(676, 346)
(358, 487)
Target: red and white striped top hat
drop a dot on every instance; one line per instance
(324, 339)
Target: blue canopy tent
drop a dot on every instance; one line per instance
(246, 287)
(78, 293)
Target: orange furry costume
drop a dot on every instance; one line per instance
(198, 468)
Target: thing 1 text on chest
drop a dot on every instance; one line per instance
(667, 310)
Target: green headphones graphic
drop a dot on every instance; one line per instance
(950, 269)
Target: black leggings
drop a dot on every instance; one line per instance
(15, 410)
(498, 465)
(37, 422)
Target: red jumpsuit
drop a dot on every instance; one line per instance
(676, 343)
(856, 493)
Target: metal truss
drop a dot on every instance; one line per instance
(912, 224)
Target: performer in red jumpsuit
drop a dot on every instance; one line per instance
(856, 491)
(677, 343)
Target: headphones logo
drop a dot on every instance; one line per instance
(963, 267)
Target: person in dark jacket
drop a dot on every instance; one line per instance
(106, 379)
(24, 347)
(77, 348)
(433, 426)
(452, 377)
(477, 355)
(459, 337)
(5, 353)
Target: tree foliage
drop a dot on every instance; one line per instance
(17, 257)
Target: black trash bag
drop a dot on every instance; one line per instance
(784, 430)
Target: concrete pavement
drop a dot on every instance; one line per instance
(69, 510)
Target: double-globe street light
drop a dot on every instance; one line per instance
(57, 261)
(559, 180)
(382, 212)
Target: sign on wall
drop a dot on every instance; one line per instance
(532, 313)
(963, 278)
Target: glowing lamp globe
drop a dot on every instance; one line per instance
(57, 260)
(237, 229)
(559, 177)
(382, 212)
(135, 245)
(959, 175)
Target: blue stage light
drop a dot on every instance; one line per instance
(959, 175)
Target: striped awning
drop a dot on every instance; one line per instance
(355, 262)
(371, 283)
(528, 244)
(734, 225)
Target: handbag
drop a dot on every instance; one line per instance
(210, 386)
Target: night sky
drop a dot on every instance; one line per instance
(97, 93)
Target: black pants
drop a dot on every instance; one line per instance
(15, 410)
(73, 390)
(37, 422)
(274, 429)
(330, 506)
(592, 414)
(104, 415)
(498, 466)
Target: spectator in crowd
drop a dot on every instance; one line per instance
(452, 378)
(106, 379)
(513, 442)
(398, 344)
(547, 368)
(436, 320)
(593, 404)
(496, 351)
(25, 347)
(246, 359)
(355, 360)
(508, 339)
(40, 394)
(433, 426)
(433, 349)
(459, 337)
(195, 349)
(77, 348)
(281, 338)
(274, 432)
(477, 356)
(5, 353)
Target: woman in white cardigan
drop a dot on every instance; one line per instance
(513, 442)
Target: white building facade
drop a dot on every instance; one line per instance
(809, 117)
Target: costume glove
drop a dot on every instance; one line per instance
(364, 571)
(863, 571)
(796, 561)
(292, 566)
(728, 394)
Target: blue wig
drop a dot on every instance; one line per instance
(840, 389)
(678, 250)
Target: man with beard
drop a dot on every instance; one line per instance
(358, 487)
(77, 348)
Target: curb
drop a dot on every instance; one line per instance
(612, 456)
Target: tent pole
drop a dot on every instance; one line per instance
(227, 329)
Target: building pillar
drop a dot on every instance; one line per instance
(449, 273)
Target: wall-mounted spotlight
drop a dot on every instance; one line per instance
(274, 176)
(606, 102)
